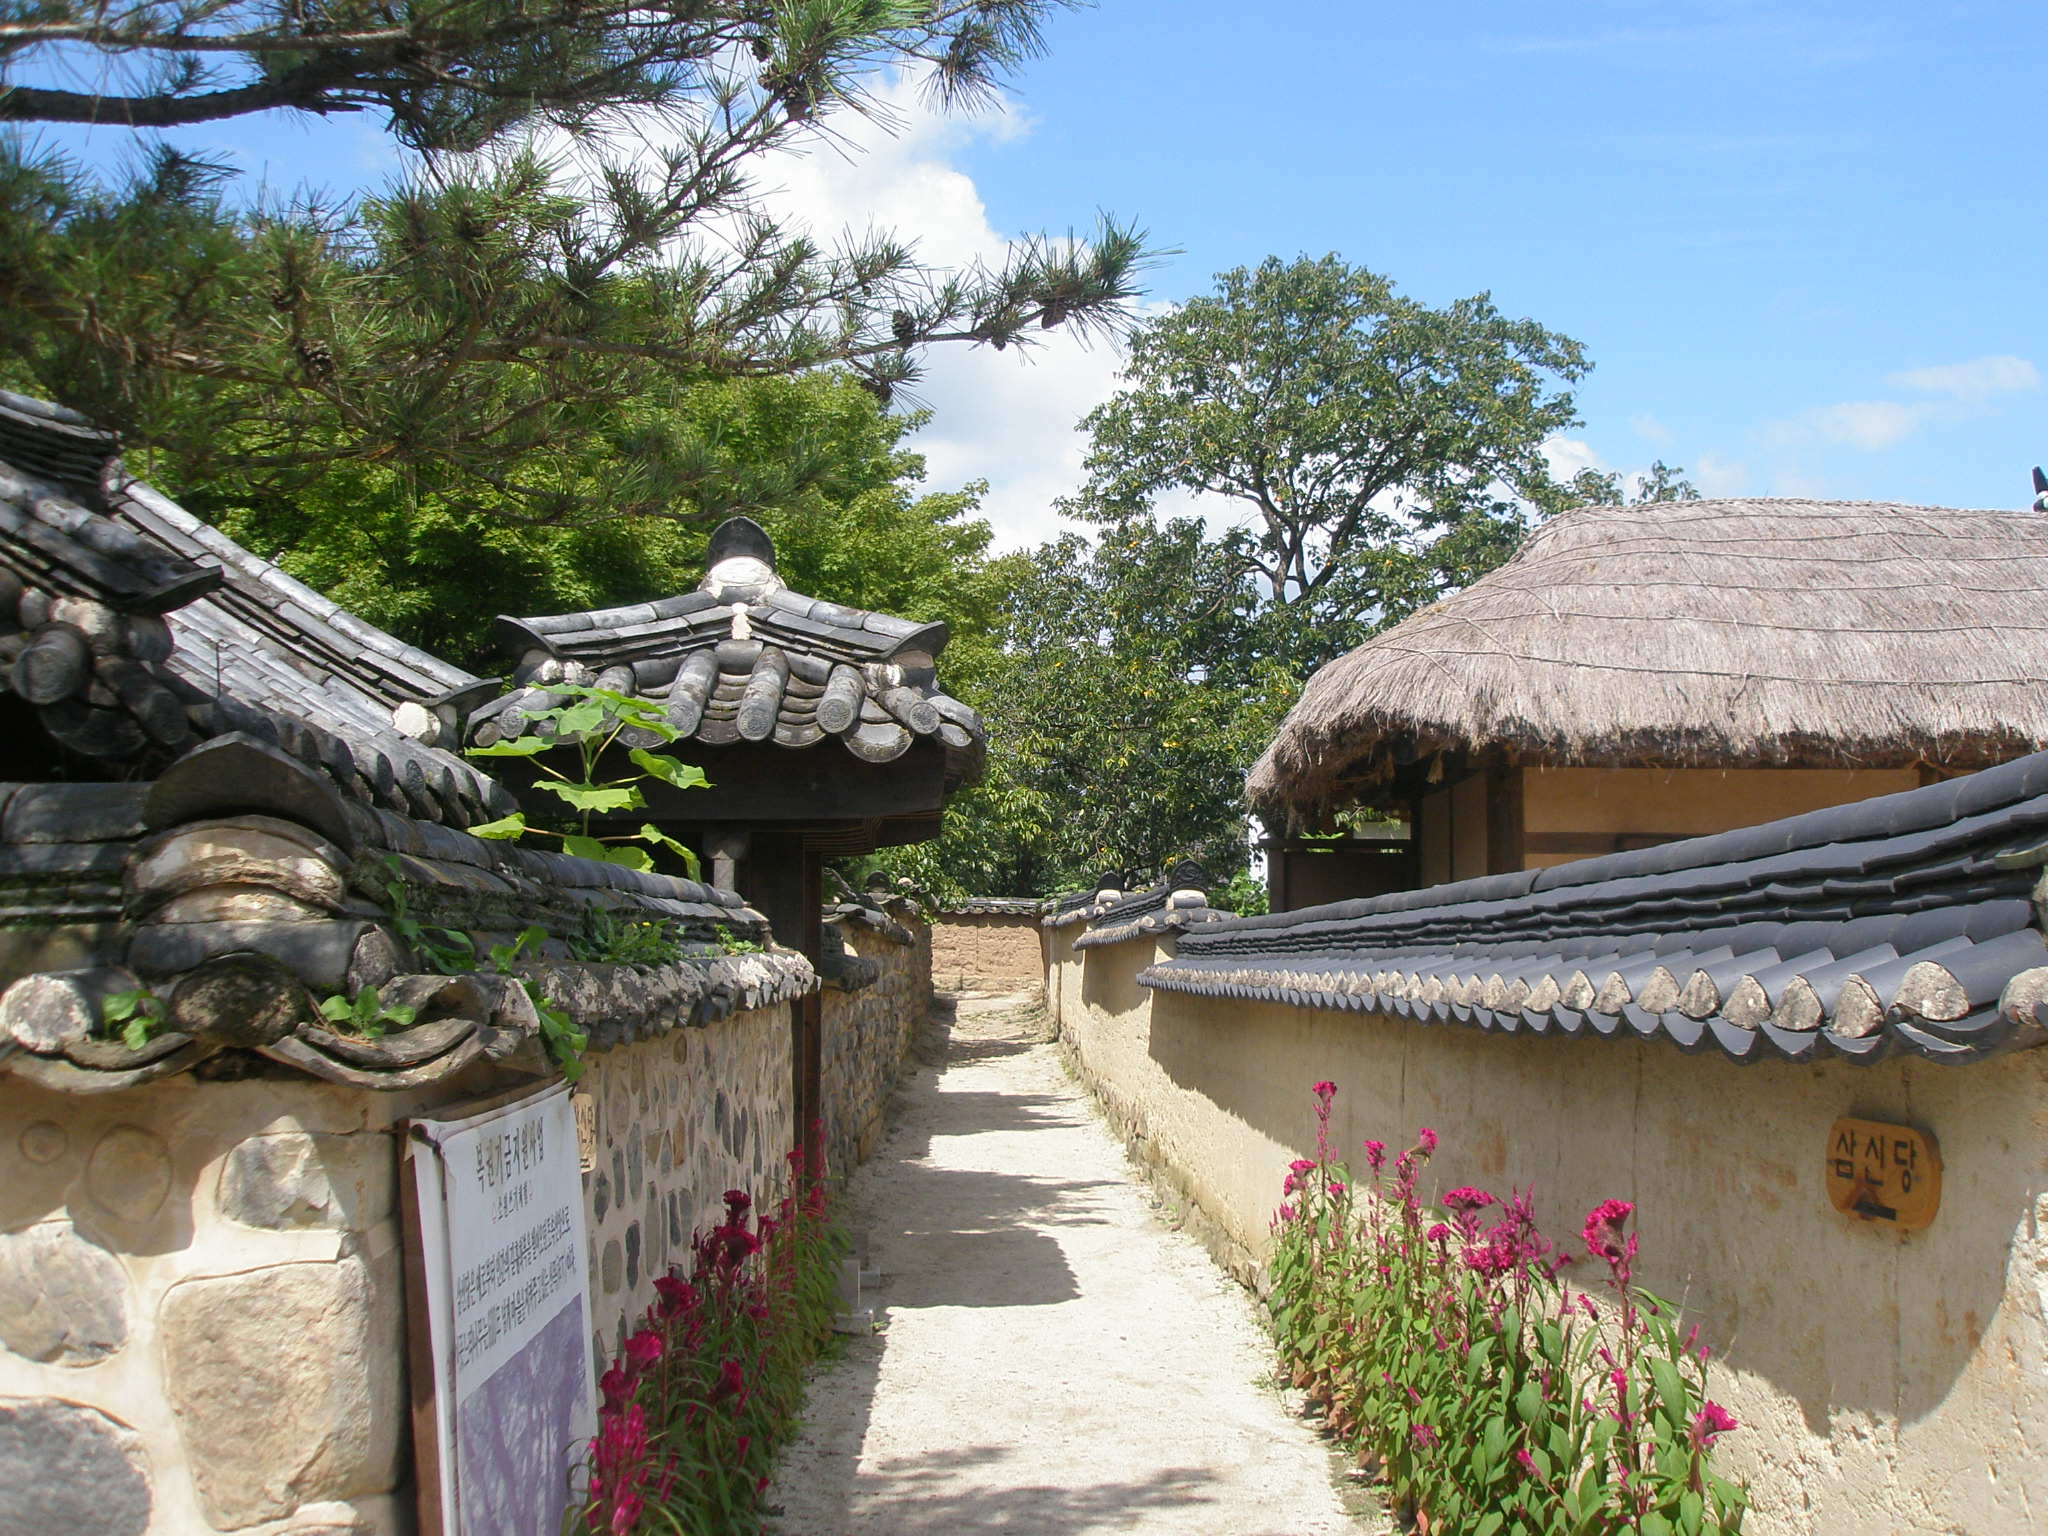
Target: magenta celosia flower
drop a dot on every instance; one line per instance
(1287, 1213)
(677, 1295)
(626, 1513)
(1425, 1434)
(1439, 1233)
(1326, 1090)
(1528, 1462)
(1426, 1139)
(616, 1386)
(1338, 1187)
(731, 1379)
(644, 1348)
(1303, 1165)
(1376, 1155)
(1491, 1259)
(736, 1201)
(1711, 1422)
(1602, 1232)
(1466, 1198)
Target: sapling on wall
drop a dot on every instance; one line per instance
(592, 724)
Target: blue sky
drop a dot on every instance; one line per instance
(1802, 242)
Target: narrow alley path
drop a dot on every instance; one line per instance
(1056, 1360)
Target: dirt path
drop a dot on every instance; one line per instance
(1056, 1361)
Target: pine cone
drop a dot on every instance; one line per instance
(316, 357)
(904, 327)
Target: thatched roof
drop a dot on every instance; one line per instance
(1701, 633)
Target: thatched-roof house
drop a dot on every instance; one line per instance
(1565, 704)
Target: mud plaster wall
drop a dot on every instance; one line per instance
(868, 1034)
(987, 952)
(680, 1119)
(1887, 1382)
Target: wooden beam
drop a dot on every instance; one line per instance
(1504, 832)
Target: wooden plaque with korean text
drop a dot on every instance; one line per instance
(1882, 1172)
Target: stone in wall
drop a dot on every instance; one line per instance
(67, 1470)
(868, 1034)
(63, 1298)
(286, 1383)
(296, 1179)
(680, 1119)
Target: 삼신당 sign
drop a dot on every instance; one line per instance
(1882, 1172)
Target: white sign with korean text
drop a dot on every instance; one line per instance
(504, 1249)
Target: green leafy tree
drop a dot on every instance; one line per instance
(1126, 698)
(1664, 482)
(500, 319)
(814, 458)
(1380, 450)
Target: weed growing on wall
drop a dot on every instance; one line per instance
(1444, 1346)
(703, 1394)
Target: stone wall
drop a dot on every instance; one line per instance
(987, 952)
(680, 1119)
(202, 1310)
(1887, 1381)
(869, 1032)
(201, 1298)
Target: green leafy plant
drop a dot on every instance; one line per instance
(608, 939)
(592, 723)
(366, 1014)
(733, 944)
(138, 1014)
(447, 951)
(1442, 1347)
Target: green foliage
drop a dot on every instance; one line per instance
(608, 939)
(1664, 482)
(1442, 1347)
(446, 951)
(366, 1013)
(1243, 893)
(592, 724)
(733, 944)
(494, 321)
(1374, 445)
(1126, 696)
(139, 1013)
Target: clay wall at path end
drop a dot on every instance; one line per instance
(987, 952)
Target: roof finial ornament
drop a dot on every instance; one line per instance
(2040, 490)
(741, 555)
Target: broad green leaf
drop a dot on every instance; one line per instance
(337, 1008)
(584, 848)
(595, 797)
(1692, 1513)
(504, 828)
(670, 770)
(1529, 1401)
(520, 746)
(631, 858)
(136, 1032)
(401, 1015)
(583, 719)
(1654, 1524)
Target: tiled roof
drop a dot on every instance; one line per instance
(1179, 902)
(744, 659)
(142, 631)
(1906, 922)
(190, 890)
(993, 906)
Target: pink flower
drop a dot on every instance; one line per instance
(1289, 1184)
(1287, 1213)
(1376, 1154)
(626, 1513)
(1426, 1139)
(677, 1295)
(1602, 1232)
(1491, 1259)
(1711, 1422)
(1425, 1435)
(644, 1348)
(616, 1386)
(1326, 1090)
(1439, 1233)
(1528, 1462)
(1467, 1198)
(1338, 1187)
(731, 1379)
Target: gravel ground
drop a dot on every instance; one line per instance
(1056, 1360)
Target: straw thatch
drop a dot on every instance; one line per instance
(1700, 633)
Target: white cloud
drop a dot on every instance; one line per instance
(1005, 417)
(1566, 456)
(1649, 428)
(1975, 380)
(1871, 425)
(1717, 476)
